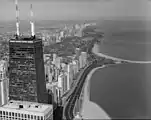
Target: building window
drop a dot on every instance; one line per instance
(18, 114)
(28, 116)
(32, 117)
(12, 114)
(3, 112)
(0, 113)
(15, 114)
(25, 116)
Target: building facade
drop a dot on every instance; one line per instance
(23, 110)
(4, 83)
(26, 70)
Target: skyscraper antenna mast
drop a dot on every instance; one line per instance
(17, 18)
(31, 22)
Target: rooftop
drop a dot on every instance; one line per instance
(28, 107)
(25, 39)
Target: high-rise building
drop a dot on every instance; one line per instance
(4, 91)
(3, 69)
(56, 72)
(27, 77)
(77, 52)
(64, 67)
(48, 72)
(23, 110)
(54, 58)
(58, 62)
(26, 69)
(55, 92)
(84, 58)
(62, 34)
(69, 75)
(46, 57)
(50, 77)
(75, 67)
(4, 83)
(65, 83)
(80, 61)
(60, 80)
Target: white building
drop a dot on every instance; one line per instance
(58, 62)
(62, 83)
(23, 110)
(80, 61)
(4, 83)
(75, 67)
(84, 58)
(3, 69)
(77, 26)
(62, 34)
(64, 67)
(77, 63)
(49, 86)
(50, 77)
(56, 71)
(77, 52)
(69, 75)
(54, 58)
(4, 91)
(46, 57)
(60, 80)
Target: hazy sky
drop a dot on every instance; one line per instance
(75, 9)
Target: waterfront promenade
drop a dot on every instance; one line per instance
(91, 110)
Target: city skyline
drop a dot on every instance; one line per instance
(75, 9)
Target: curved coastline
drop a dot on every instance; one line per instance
(91, 110)
(87, 112)
(95, 50)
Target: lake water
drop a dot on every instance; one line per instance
(123, 91)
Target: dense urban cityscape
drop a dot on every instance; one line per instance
(39, 89)
(66, 52)
(45, 74)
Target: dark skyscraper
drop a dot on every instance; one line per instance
(27, 78)
(26, 67)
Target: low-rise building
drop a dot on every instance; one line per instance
(23, 110)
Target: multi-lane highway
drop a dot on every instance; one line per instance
(69, 107)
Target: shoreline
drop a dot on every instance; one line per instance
(91, 110)
(95, 50)
(88, 112)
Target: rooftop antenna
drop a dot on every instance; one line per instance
(17, 17)
(31, 22)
